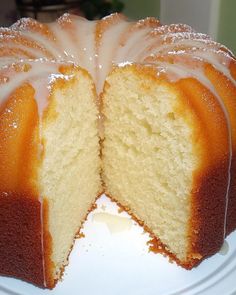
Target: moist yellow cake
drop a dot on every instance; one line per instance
(142, 111)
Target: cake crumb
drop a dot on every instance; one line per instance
(120, 210)
(94, 206)
(80, 235)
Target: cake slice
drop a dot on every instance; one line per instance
(166, 158)
(49, 172)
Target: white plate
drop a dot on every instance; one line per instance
(114, 259)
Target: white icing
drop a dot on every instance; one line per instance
(224, 249)
(106, 51)
(114, 223)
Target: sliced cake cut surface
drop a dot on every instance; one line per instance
(69, 176)
(156, 160)
(53, 177)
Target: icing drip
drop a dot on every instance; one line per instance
(224, 249)
(32, 52)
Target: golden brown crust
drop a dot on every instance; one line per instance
(20, 209)
(210, 180)
(20, 232)
(208, 211)
(232, 68)
(18, 129)
(231, 211)
(20, 206)
(47, 248)
(227, 91)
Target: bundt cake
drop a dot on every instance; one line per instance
(141, 111)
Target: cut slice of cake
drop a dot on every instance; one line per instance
(53, 176)
(69, 176)
(165, 154)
